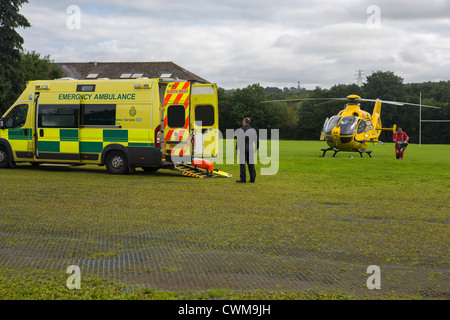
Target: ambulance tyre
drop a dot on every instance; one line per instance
(117, 162)
(4, 158)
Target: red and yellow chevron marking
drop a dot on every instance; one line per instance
(191, 171)
(190, 174)
(178, 93)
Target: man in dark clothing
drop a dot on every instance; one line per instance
(245, 144)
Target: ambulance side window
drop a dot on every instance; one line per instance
(58, 116)
(205, 114)
(17, 117)
(176, 116)
(99, 115)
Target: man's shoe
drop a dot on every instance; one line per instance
(252, 181)
(240, 181)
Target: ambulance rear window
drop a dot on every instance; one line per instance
(205, 114)
(176, 116)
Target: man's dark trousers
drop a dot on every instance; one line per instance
(251, 169)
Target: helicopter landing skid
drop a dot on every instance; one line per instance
(368, 152)
(336, 151)
(329, 149)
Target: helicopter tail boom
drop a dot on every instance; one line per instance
(394, 128)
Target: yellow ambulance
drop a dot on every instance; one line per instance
(122, 124)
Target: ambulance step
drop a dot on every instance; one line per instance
(67, 165)
(191, 171)
(195, 172)
(222, 173)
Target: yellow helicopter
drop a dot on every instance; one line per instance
(353, 129)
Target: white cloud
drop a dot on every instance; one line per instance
(237, 43)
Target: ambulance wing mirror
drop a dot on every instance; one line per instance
(2, 123)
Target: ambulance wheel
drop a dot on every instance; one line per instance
(117, 162)
(4, 158)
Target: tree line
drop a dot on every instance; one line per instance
(295, 121)
(304, 120)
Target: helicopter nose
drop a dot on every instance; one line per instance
(335, 132)
(335, 135)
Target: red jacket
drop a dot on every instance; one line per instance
(400, 137)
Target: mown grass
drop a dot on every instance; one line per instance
(42, 285)
(317, 223)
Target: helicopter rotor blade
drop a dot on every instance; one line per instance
(397, 103)
(382, 101)
(304, 99)
(353, 100)
(326, 102)
(420, 105)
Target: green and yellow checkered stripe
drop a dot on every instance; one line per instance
(92, 140)
(21, 140)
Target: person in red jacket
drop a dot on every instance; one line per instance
(401, 142)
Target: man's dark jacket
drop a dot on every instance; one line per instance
(247, 138)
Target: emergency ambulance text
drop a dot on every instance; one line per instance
(97, 96)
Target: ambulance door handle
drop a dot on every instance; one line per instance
(41, 132)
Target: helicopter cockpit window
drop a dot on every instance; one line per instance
(362, 126)
(348, 125)
(369, 125)
(331, 124)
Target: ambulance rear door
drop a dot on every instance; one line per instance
(176, 124)
(205, 120)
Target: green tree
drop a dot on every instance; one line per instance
(434, 94)
(304, 120)
(226, 103)
(386, 85)
(10, 48)
(35, 67)
(311, 118)
(247, 103)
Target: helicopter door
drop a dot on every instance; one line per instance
(366, 130)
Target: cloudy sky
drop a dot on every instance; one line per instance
(235, 43)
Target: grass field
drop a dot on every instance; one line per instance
(308, 232)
